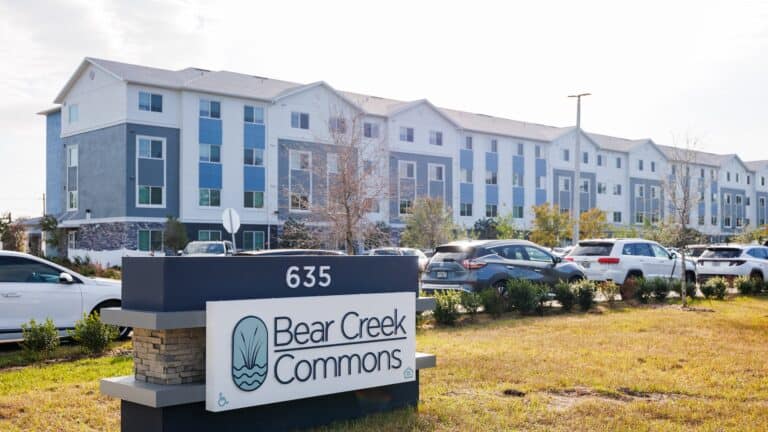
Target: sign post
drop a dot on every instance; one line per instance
(231, 221)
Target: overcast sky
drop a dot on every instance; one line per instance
(656, 69)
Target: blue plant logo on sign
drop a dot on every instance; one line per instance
(249, 353)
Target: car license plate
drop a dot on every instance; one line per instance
(715, 264)
(442, 275)
(585, 264)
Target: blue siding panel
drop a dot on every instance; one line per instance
(254, 178)
(518, 196)
(518, 164)
(541, 196)
(55, 180)
(541, 167)
(151, 172)
(467, 192)
(435, 189)
(210, 175)
(254, 136)
(209, 131)
(491, 194)
(492, 161)
(465, 160)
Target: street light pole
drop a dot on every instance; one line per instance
(576, 195)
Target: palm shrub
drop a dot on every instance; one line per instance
(446, 307)
(715, 287)
(609, 289)
(92, 334)
(747, 285)
(644, 291)
(690, 288)
(660, 289)
(585, 293)
(565, 295)
(526, 296)
(471, 302)
(40, 339)
(493, 302)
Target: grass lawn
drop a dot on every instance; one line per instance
(628, 369)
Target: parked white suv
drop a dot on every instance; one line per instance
(31, 287)
(733, 261)
(620, 259)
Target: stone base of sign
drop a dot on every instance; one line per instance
(284, 416)
(174, 356)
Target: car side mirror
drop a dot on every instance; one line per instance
(556, 260)
(66, 278)
(672, 255)
(179, 252)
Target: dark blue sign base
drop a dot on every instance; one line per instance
(284, 416)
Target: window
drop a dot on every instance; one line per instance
(209, 197)
(253, 240)
(406, 134)
(23, 270)
(468, 143)
(72, 240)
(465, 209)
(150, 102)
(566, 155)
(210, 153)
(332, 163)
(436, 138)
(301, 160)
(150, 148)
(737, 177)
(617, 189)
(520, 149)
(253, 199)
(72, 200)
(72, 164)
(535, 254)
(728, 176)
(407, 169)
(253, 157)
(299, 201)
(490, 177)
(517, 212)
(494, 146)
(712, 175)
(714, 220)
(299, 120)
(761, 201)
(253, 114)
(337, 124)
(406, 206)
(749, 179)
(74, 113)
(659, 251)
(538, 152)
(727, 221)
(762, 180)
(585, 184)
(653, 191)
(541, 182)
(701, 219)
(701, 174)
(618, 162)
(739, 222)
(599, 160)
(370, 130)
(72, 156)
(616, 217)
(565, 184)
(585, 158)
(639, 217)
(209, 235)
(653, 166)
(601, 188)
(714, 197)
(150, 240)
(738, 200)
(210, 109)
(466, 175)
(641, 191)
(640, 164)
(727, 198)
(150, 195)
(436, 172)
(517, 180)
(491, 210)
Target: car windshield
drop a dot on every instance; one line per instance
(592, 249)
(410, 252)
(386, 252)
(696, 251)
(204, 248)
(721, 253)
(451, 254)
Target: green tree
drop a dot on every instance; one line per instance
(175, 235)
(486, 229)
(12, 234)
(506, 227)
(592, 224)
(429, 225)
(297, 235)
(550, 225)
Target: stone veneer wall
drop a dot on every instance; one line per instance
(111, 236)
(169, 356)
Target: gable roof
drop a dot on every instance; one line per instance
(302, 88)
(401, 108)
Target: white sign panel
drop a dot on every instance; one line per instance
(273, 350)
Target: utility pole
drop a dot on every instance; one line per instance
(576, 195)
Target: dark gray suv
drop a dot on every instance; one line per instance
(479, 264)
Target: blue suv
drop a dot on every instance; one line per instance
(480, 264)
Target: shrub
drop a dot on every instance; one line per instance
(446, 307)
(92, 334)
(629, 289)
(40, 340)
(585, 294)
(660, 289)
(565, 295)
(747, 286)
(471, 302)
(526, 296)
(493, 301)
(690, 288)
(715, 287)
(644, 291)
(609, 289)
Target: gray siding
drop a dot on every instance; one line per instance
(151, 171)
(420, 187)
(55, 163)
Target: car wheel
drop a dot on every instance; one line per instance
(756, 276)
(501, 288)
(122, 332)
(690, 277)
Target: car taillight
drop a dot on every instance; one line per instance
(569, 258)
(736, 263)
(472, 264)
(608, 260)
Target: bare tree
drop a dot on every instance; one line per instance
(682, 195)
(354, 177)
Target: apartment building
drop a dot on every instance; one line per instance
(128, 146)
